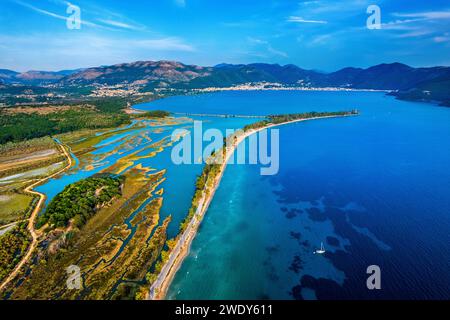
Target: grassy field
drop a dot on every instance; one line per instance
(13, 206)
(12, 149)
(84, 141)
(18, 157)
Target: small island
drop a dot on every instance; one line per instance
(80, 200)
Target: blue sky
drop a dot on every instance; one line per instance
(323, 35)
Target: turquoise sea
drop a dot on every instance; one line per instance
(374, 188)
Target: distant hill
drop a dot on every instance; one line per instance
(229, 75)
(411, 83)
(437, 89)
(149, 73)
(6, 76)
(394, 76)
(225, 75)
(33, 77)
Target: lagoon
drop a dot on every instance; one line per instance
(179, 184)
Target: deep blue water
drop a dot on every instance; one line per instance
(374, 188)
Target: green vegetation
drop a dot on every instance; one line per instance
(26, 147)
(137, 270)
(14, 90)
(79, 201)
(117, 245)
(27, 155)
(15, 94)
(206, 178)
(14, 206)
(13, 246)
(109, 105)
(32, 166)
(434, 90)
(276, 119)
(21, 126)
(154, 114)
(91, 114)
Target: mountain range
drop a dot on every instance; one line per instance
(33, 77)
(427, 84)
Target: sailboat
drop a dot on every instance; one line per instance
(321, 250)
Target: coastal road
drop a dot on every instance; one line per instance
(32, 219)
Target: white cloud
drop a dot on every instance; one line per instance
(88, 42)
(170, 43)
(180, 3)
(301, 20)
(277, 52)
(54, 15)
(81, 50)
(430, 15)
(105, 23)
(322, 39)
(419, 24)
(256, 40)
(333, 6)
(443, 38)
(307, 3)
(267, 46)
(409, 24)
(239, 24)
(120, 24)
(414, 34)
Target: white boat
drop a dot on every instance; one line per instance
(321, 250)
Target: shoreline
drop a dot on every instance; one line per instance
(283, 88)
(218, 115)
(158, 290)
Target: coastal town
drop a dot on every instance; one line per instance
(56, 94)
